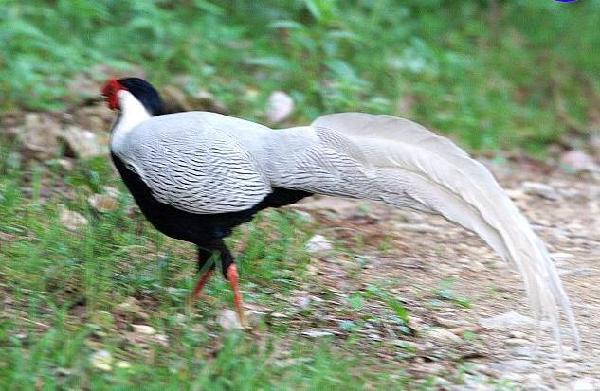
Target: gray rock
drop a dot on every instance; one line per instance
(318, 245)
(279, 106)
(516, 342)
(317, 333)
(541, 190)
(102, 359)
(83, 143)
(228, 320)
(442, 335)
(585, 384)
(578, 161)
(71, 220)
(510, 366)
(419, 228)
(103, 202)
(143, 329)
(507, 320)
(40, 136)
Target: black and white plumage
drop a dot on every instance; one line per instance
(197, 175)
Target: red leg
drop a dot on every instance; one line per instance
(200, 284)
(233, 278)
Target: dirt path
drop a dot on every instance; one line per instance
(437, 269)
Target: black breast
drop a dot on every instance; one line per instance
(192, 227)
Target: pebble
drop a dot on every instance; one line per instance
(83, 143)
(129, 305)
(443, 335)
(162, 340)
(279, 106)
(516, 342)
(71, 220)
(303, 302)
(507, 320)
(517, 334)
(305, 217)
(585, 384)
(419, 228)
(577, 160)
(102, 359)
(541, 190)
(315, 333)
(103, 203)
(228, 320)
(511, 366)
(318, 245)
(143, 329)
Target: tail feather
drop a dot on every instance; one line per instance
(404, 164)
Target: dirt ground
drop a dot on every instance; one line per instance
(437, 269)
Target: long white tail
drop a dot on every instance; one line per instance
(403, 164)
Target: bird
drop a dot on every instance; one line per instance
(197, 175)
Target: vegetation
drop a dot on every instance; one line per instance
(63, 291)
(495, 73)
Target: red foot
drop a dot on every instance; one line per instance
(200, 284)
(233, 278)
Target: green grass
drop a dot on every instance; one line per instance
(61, 292)
(493, 73)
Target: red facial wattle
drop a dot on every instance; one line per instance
(110, 92)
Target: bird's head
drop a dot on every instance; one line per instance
(141, 90)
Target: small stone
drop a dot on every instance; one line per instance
(71, 220)
(305, 216)
(318, 245)
(130, 305)
(162, 340)
(143, 329)
(103, 203)
(279, 106)
(448, 323)
(475, 266)
(40, 136)
(228, 320)
(517, 334)
(315, 333)
(443, 336)
(303, 302)
(278, 315)
(82, 143)
(585, 384)
(111, 191)
(516, 342)
(509, 366)
(577, 161)
(255, 318)
(541, 190)
(507, 320)
(419, 228)
(375, 337)
(102, 359)
(408, 345)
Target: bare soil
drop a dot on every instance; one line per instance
(437, 270)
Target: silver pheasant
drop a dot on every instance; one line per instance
(210, 164)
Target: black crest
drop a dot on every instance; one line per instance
(145, 93)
